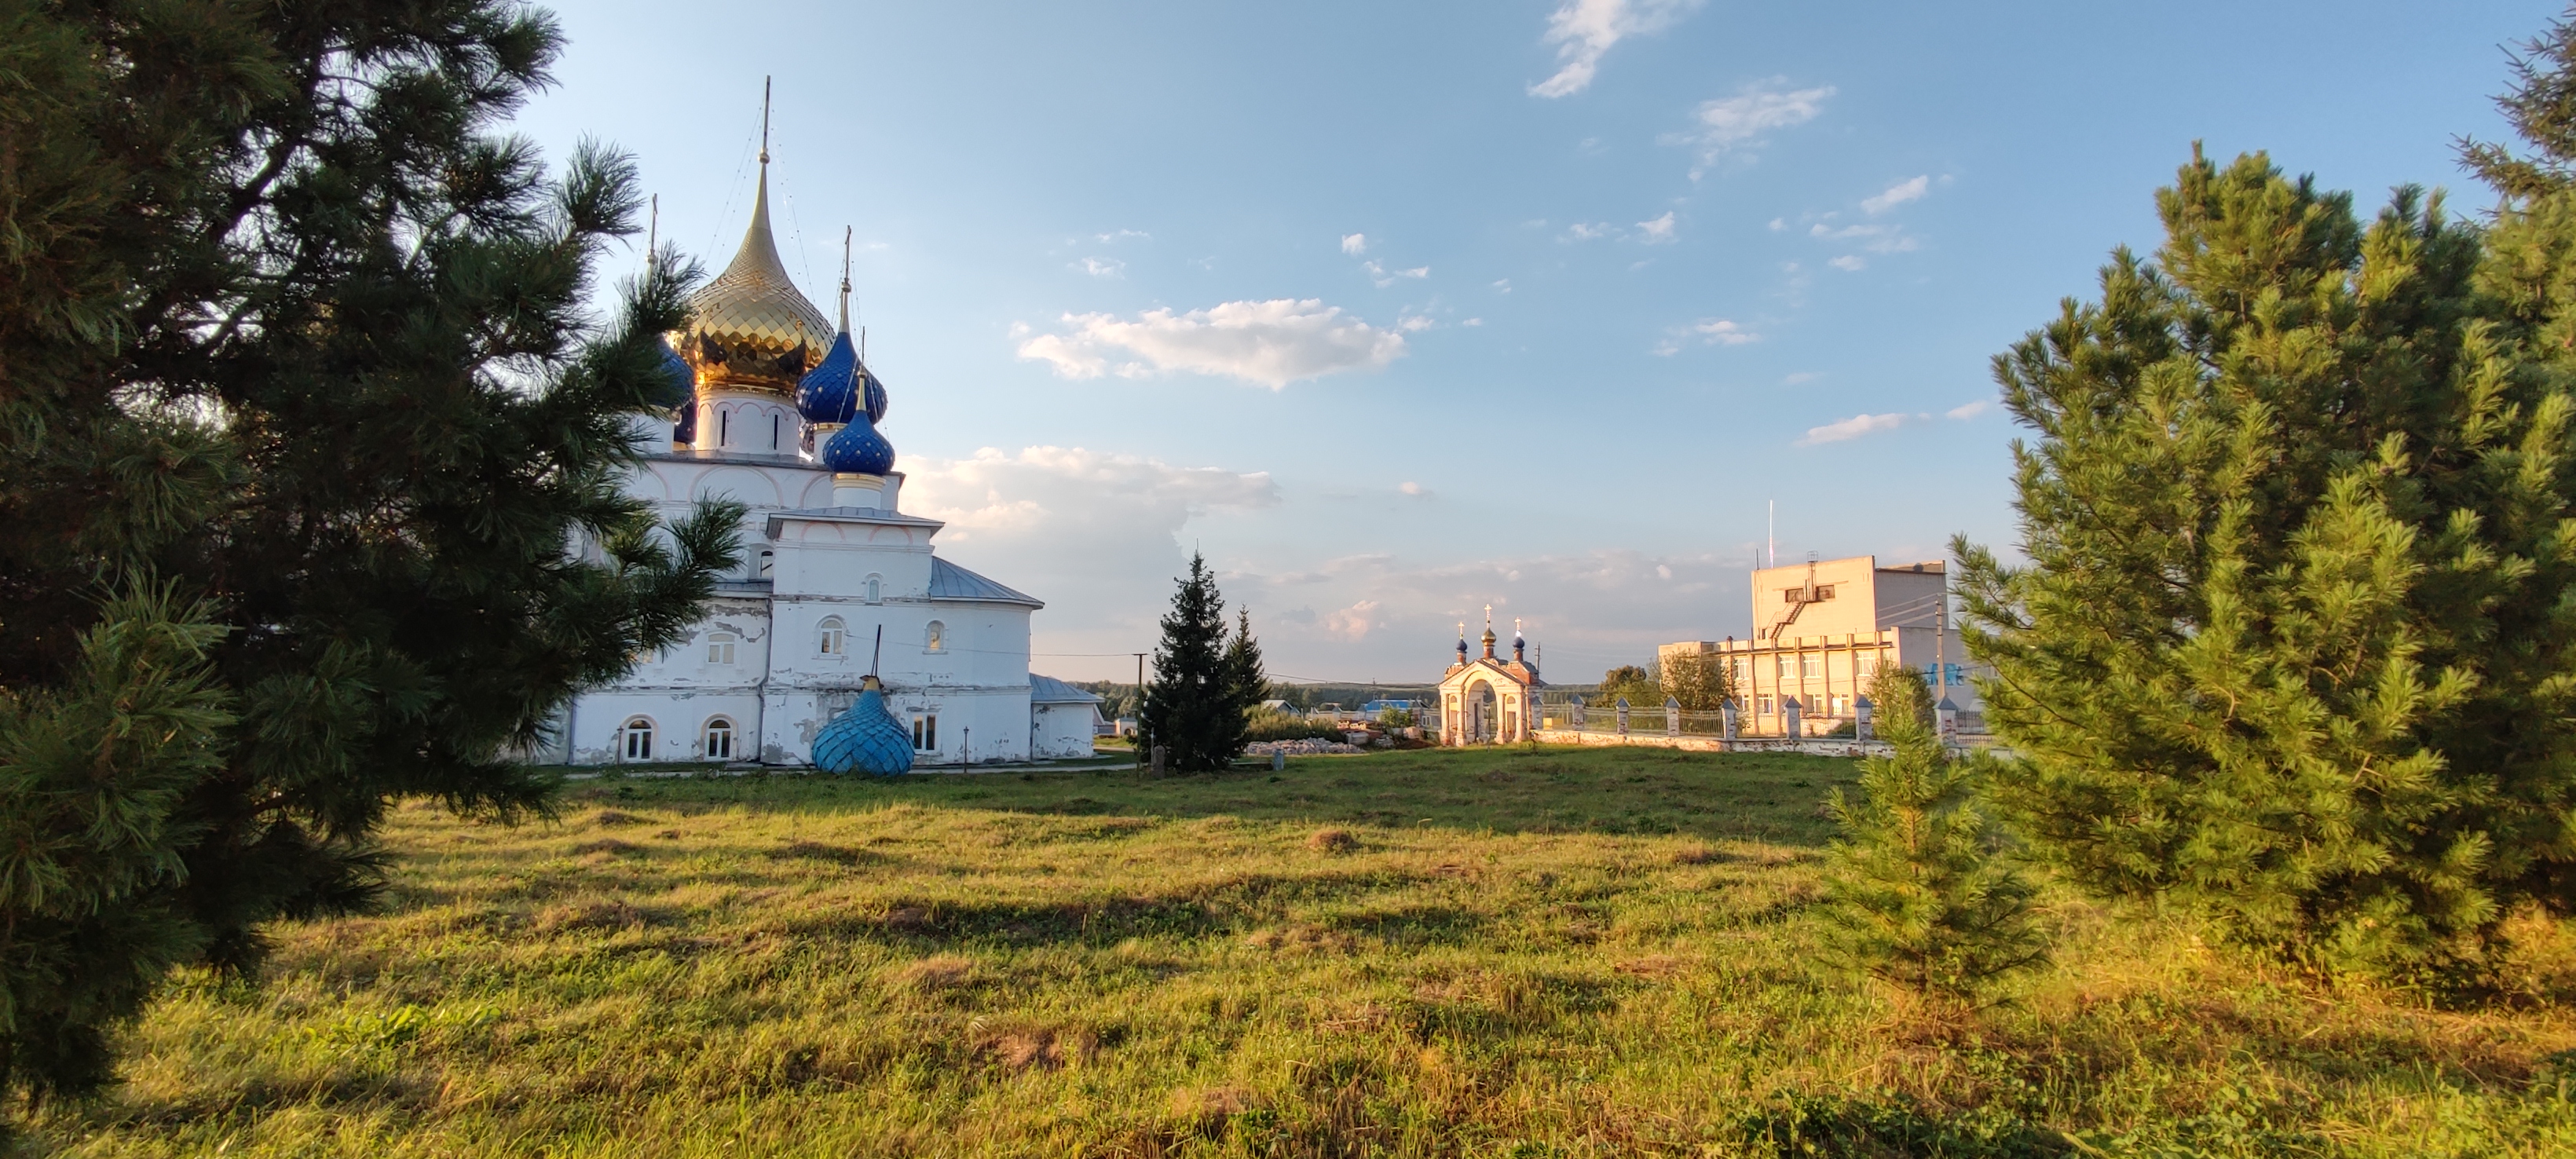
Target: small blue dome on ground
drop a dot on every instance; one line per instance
(829, 393)
(864, 739)
(858, 449)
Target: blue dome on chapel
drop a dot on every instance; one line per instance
(858, 449)
(830, 392)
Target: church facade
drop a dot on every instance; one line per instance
(836, 580)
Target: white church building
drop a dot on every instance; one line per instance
(783, 419)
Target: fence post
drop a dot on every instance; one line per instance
(1789, 717)
(1159, 754)
(1672, 718)
(1623, 720)
(1578, 714)
(1862, 729)
(1726, 722)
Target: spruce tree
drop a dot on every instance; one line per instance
(2293, 642)
(1244, 679)
(1194, 707)
(1918, 893)
(1897, 692)
(301, 407)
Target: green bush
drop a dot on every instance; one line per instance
(1282, 726)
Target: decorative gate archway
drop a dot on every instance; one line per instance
(1488, 700)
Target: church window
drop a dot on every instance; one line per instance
(833, 638)
(876, 589)
(718, 741)
(768, 561)
(724, 426)
(635, 741)
(936, 640)
(773, 430)
(720, 647)
(925, 732)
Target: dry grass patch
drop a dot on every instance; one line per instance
(932, 974)
(608, 846)
(618, 818)
(1332, 840)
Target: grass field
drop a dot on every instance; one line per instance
(1552, 952)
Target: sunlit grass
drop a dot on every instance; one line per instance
(1549, 952)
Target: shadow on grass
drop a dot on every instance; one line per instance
(1769, 797)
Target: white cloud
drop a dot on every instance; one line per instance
(1351, 623)
(1098, 268)
(1582, 30)
(1272, 343)
(1897, 194)
(1113, 237)
(1851, 263)
(1587, 231)
(1739, 122)
(1721, 332)
(1473, 322)
(1385, 277)
(1503, 285)
(1658, 231)
(1779, 223)
(1410, 488)
(1856, 426)
(1801, 376)
(1355, 244)
(1096, 535)
(1969, 410)
(1414, 324)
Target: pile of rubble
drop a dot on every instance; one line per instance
(1296, 748)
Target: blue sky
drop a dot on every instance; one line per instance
(1397, 311)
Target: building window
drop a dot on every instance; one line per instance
(876, 589)
(1782, 663)
(719, 739)
(936, 639)
(724, 426)
(773, 430)
(635, 741)
(925, 733)
(768, 560)
(1762, 706)
(1811, 665)
(833, 639)
(720, 647)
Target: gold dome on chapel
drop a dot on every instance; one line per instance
(750, 327)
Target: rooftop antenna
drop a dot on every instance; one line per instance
(1775, 504)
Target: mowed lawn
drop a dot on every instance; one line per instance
(1509, 952)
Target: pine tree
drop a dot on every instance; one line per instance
(1899, 693)
(2293, 643)
(300, 409)
(1918, 894)
(1244, 680)
(1194, 706)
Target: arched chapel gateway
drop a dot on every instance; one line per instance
(1486, 700)
(836, 584)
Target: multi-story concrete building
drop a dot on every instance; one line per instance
(1820, 631)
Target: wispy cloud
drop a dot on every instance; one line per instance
(1969, 410)
(1742, 121)
(1858, 425)
(1657, 231)
(1355, 244)
(1385, 277)
(1583, 30)
(1896, 195)
(1115, 236)
(1272, 343)
(1587, 231)
(1102, 268)
(1849, 263)
(1706, 332)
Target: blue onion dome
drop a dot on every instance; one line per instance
(875, 393)
(866, 738)
(678, 383)
(858, 449)
(829, 393)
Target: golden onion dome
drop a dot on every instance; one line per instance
(750, 327)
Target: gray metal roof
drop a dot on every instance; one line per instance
(1049, 690)
(951, 582)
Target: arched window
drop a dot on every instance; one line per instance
(724, 426)
(774, 416)
(936, 639)
(720, 647)
(876, 589)
(768, 560)
(832, 637)
(718, 739)
(635, 741)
